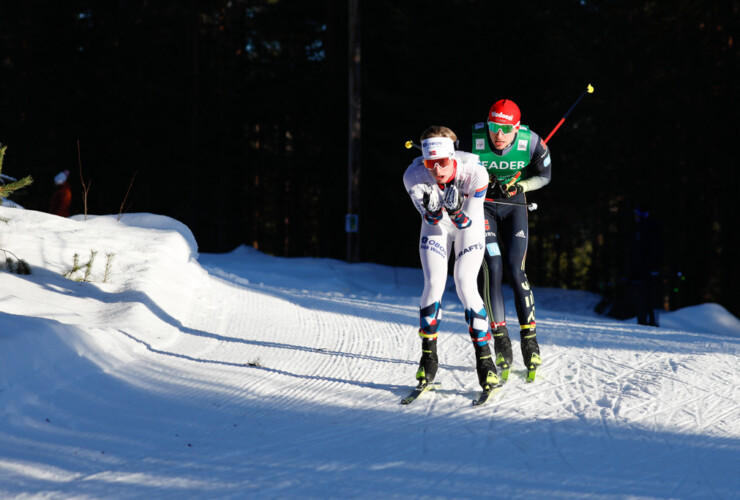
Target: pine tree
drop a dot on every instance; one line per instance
(8, 189)
(12, 262)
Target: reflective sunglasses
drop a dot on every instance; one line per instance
(505, 128)
(441, 162)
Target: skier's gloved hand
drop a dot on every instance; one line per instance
(512, 190)
(493, 187)
(453, 204)
(433, 218)
(453, 200)
(433, 208)
(431, 202)
(460, 219)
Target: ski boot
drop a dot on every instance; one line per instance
(487, 377)
(502, 348)
(530, 351)
(429, 317)
(429, 362)
(485, 368)
(426, 372)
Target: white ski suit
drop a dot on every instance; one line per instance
(435, 244)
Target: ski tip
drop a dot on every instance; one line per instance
(419, 390)
(486, 395)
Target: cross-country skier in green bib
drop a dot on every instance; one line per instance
(517, 161)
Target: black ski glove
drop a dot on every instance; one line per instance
(493, 186)
(513, 190)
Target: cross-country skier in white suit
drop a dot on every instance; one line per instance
(448, 188)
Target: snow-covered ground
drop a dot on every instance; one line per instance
(242, 375)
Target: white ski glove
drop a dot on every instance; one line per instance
(453, 200)
(453, 204)
(433, 206)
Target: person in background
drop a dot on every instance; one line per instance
(61, 198)
(447, 187)
(644, 259)
(517, 161)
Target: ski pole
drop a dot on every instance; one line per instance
(512, 180)
(589, 90)
(530, 206)
(410, 144)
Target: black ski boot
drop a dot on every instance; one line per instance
(428, 363)
(530, 352)
(487, 377)
(485, 368)
(502, 348)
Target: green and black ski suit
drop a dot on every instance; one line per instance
(507, 231)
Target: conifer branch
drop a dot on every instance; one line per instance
(7, 189)
(108, 266)
(18, 266)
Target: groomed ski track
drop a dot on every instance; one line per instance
(283, 379)
(617, 410)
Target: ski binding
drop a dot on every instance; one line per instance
(419, 390)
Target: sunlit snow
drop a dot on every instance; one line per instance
(157, 372)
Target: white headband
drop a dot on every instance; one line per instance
(437, 147)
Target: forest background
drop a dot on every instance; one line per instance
(234, 116)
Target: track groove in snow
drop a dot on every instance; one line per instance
(244, 375)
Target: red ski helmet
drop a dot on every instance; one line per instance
(505, 112)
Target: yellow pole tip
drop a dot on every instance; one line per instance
(409, 144)
(590, 89)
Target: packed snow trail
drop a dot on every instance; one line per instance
(247, 376)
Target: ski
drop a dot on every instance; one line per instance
(505, 373)
(532, 368)
(486, 394)
(418, 391)
(505, 367)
